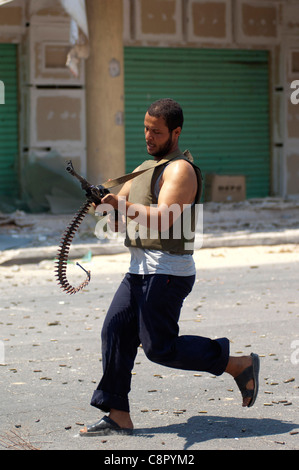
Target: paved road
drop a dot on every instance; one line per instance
(52, 362)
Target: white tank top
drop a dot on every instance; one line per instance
(160, 262)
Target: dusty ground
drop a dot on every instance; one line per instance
(205, 258)
(209, 258)
(217, 257)
(52, 352)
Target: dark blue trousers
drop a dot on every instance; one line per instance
(145, 310)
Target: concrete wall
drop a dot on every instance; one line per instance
(105, 91)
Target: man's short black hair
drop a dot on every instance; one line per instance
(170, 110)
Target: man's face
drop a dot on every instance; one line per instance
(160, 141)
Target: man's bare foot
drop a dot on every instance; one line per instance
(117, 422)
(238, 366)
(122, 418)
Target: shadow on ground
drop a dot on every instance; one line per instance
(204, 428)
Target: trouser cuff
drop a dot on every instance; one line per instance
(221, 365)
(105, 401)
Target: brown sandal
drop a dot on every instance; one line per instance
(250, 373)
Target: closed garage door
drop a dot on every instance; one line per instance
(9, 122)
(225, 98)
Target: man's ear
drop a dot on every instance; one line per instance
(177, 131)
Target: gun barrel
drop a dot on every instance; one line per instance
(70, 169)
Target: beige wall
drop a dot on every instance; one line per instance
(105, 91)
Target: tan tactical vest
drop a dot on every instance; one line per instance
(178, 239)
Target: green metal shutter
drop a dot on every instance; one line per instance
(225, 98)
(9, 147)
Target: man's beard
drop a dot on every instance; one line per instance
(163, 151)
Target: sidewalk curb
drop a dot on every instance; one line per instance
(236, 239)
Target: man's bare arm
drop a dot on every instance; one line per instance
(178, 188)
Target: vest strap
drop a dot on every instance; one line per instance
(129, 176)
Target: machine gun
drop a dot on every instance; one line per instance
(94, 195)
